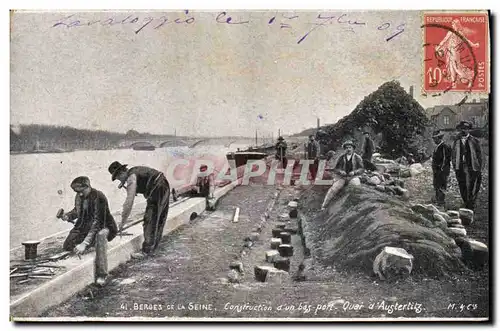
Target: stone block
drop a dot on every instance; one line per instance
(276, 276)
(272, 255)
(282, 263)
(453, 213)
(453, 221)
(275, 243)
(380, 188)
(458, 232)
(285, 250)
(474, 253)
(393, 262)
(286, 237)
(293, 213)
(466, 215)
(374, 180)
(276, 232)
(260, 272)
(293, 204)
(236, 265)
(233, 276)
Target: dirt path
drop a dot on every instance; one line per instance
(187, 278)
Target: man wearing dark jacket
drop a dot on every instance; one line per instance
(281, 147)
(367, 152)
(313, 151)
(441, 159)
(154, 186)
(92, 211)
(467, 161)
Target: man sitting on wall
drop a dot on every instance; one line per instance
(349, 166)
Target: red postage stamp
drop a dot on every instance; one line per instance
(456, 52)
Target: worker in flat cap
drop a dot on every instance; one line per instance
(467, 162)
(349, 166)
(92, 214)
(441, 164)
(155, 188)
(367, 150)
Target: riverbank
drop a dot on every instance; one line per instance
(187, 278)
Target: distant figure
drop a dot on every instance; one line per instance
(441, 159)
(281, 147)
(204, 187)
(467, 161)
(367, 150)
(313, 150)
(154, 186)
(348, 167)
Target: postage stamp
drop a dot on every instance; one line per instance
(236, 165)
(456, 52)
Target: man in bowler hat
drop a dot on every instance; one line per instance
(154, 186)
(467, 161)
(441, 159)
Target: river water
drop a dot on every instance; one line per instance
(40, 183)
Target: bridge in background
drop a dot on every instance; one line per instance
(184, 141)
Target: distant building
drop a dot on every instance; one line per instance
(446, 117)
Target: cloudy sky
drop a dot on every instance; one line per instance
(160, 71)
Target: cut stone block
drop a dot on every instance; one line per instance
(293, 213)
(474, 253)
(438, 218)
(282, 263)
(416, 169)
(283, 217)
(260, 272)
(291, 229)
(453, 221)
(355, 182)
(280, 225)
(236, 216)
(286, 237)
(374, 180)
(453, 213)
(380, 188)
(276, 232)
(432, 208)
(254, 236)
(457, 231)
(275, 243)
(393, 262)
(236, 265)
(445, 216)
(272, 255)
(457, 226)
(285, 250)
(276, 276)
(293, 204)
(466, 215)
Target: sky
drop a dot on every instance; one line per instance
(209, 73)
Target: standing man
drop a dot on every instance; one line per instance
(441, 159)
(367, 150)
(313, 151)
(348, 167)
(281, 147)
(205, 188)
(154, 186)
(467, 161)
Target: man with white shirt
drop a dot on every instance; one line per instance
(441, 159)
(467, 161)
(348, 167)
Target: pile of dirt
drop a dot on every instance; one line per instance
(396, 120)
(361, 221)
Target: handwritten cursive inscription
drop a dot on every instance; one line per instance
(345, 22)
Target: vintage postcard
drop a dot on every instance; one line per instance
(239, 165)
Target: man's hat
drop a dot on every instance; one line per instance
(437, 134)
(115, 168)
(80, 182)
(203, 167)
(366, 132)
(347, 143)
(464, 125)
(280, 138)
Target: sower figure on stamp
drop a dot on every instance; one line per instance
(95, 225)
(156, 189)
(349, 166)
(313, 151)
(467, 161)
(441, 159)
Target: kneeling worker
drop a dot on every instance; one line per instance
(95, 225)
(348, 167)
(204, 187)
